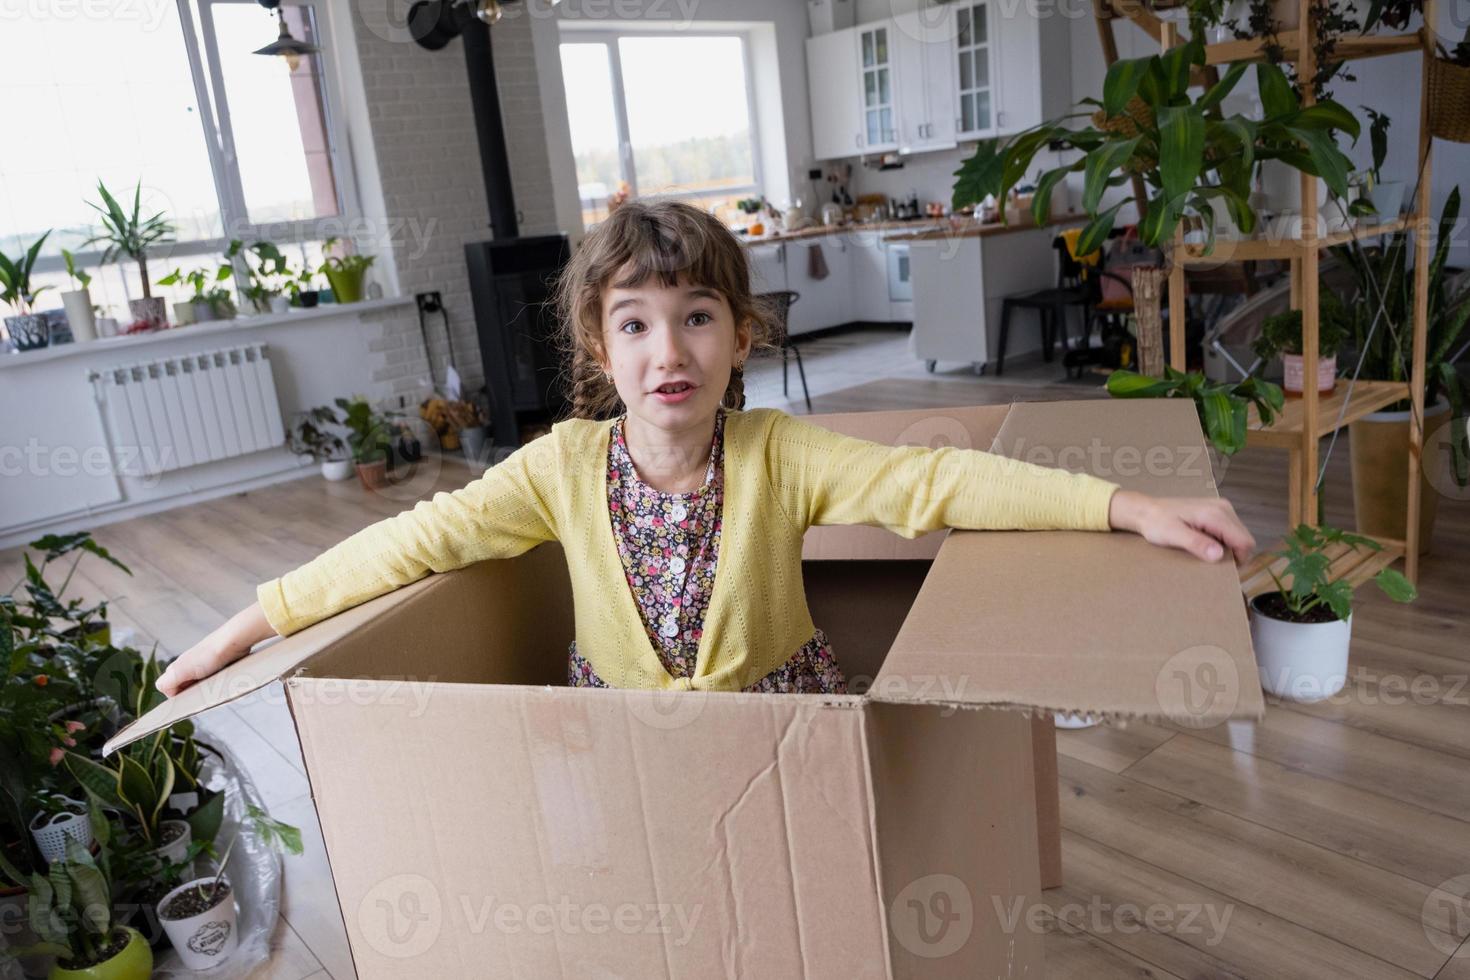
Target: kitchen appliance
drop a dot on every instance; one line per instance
(831, 213)
(900, 287)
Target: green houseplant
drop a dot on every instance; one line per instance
(311, 435)
(71, 910)
(1281, 334)
(1187, 152)
(27, 328)
(1302, 630)
(128, 233)
(1381, 335)
(371, 438)
(1223, 407)
(265, 278)
(200, 307)
(345, 273)
(78, 301)
(1386, 196)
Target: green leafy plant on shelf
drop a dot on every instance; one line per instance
(1223, 407)
(15, 277)
(1188, 153)
(1310, 570)
(1281, 333)
(345, 273)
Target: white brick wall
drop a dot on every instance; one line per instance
(422, 132)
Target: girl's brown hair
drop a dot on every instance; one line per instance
(667, 239)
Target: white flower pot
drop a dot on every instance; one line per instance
(1300, 661)
(337, 470)
(51, 832)
(207, 939)
(79, 315)
(107, 326)
(183, 314)
(174, 850)
(1388, 200)
(280, 304)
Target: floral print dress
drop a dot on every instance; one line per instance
(669, 544)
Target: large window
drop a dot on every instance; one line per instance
(671, 116)
(228, 144)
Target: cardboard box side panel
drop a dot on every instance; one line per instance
(1086, 621)
(594, 832)
(1048, 799)
(495, 622)
(973, 427)
(954, 796)
(861, 606)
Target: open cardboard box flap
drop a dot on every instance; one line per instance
(1077, 621)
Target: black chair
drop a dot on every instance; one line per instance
(779, 304)
(1051, 305)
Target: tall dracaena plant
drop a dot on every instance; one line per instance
(1188, 152)
(130, 234)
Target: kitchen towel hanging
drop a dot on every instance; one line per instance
(816, 265)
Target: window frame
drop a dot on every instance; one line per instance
(205, 69)
(572, 33)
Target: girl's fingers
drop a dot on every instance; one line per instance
(1195, 542)
(1222, 524)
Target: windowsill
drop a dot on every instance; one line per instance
(211, 328)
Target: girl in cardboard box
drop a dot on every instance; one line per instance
(661, 479)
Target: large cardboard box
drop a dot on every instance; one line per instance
(484, 820)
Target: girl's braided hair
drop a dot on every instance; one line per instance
(667, 239)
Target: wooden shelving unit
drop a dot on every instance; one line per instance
(1310, 417)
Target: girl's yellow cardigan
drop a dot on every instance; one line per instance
(782, 475)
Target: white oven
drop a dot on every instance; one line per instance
(900, 289)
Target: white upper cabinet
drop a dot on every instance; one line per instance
(879, 87)
(836, 100)
(924, 45)
(931, 78)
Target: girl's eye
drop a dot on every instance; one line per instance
(704, 318)
(631, 324)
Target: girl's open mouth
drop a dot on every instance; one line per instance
(671, 394)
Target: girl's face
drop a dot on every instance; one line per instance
(670, 350)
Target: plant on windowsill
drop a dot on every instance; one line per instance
(131, 235)
(266, 277)
(311, 437)
(28, 330)
(1302, 631)
(302, 289)
(78, 302)
(370, 435)
(200, 307)
(346, 273)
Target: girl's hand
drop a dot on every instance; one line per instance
(216, 651)
(1203, 526)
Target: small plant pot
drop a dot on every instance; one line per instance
(373, 475)
(346, 285)
(29, 331)
(153, 309)
(185, 313)
(79, 315)
(337, 470)
(107, 326)
(280, 304)
(132, 961)
(223, 310)
(473, 442)
(1388, 200)
(1298, 661)
(51, 831)
(176, 836)
(1294, 373)
(203, 937)
(308, 298)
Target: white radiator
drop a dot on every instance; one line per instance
(191, 409)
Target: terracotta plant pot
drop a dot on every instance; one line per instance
(1380, 463)
(373, 475)
(1299, 661)
(133, 962)
(1294, 373)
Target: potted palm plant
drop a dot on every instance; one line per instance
(1380, 335)
(371, 437)
(345, 273)
(71, 911)
(27, 328)
(132, 235)
(78, 302)
(1303, 629)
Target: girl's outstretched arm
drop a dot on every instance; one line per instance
(823, 477)
(504, 513)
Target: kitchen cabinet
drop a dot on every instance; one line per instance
(870, 280)
(973, 27)
(767, 267)
(1032, 69)
(836, 100)
(924, 48)
(878, 87)
(824, 302)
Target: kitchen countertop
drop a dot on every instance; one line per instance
(854, 227)
(969, 229)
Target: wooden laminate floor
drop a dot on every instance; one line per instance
(1329, 841)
